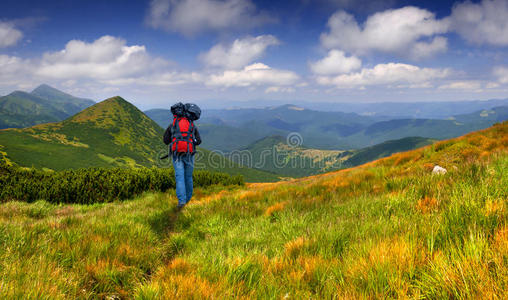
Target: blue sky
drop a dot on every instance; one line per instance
(219, 51)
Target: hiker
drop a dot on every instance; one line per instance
(182, 136)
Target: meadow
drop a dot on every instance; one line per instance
(386, 229)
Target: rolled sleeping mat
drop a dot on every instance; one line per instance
(178, 109)
(192, 111)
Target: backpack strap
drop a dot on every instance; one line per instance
(190, 137)
(173, 132)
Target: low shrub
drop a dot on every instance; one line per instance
(94, 185)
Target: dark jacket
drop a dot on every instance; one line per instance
(167, 135)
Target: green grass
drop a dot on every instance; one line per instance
(389, 229)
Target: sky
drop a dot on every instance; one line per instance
(219, 52)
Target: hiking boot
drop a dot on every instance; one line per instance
(179, 207)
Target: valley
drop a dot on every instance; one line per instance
(254, 142)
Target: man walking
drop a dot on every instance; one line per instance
(182, 136)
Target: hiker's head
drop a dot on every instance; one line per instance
(178, 109)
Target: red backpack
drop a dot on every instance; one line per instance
(182, 133)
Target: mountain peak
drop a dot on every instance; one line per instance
(110, 108)
(114, 112)
(46, 91)
(117, 100)
(44, 87)
(55, 95)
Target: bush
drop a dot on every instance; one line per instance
(94, 185)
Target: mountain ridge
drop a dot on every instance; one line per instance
(44, 104)
(111, 133)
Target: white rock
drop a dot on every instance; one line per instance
(438, 170)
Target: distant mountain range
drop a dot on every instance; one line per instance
(423, 109)
(44, 104)
(232, 129)
(112, 133)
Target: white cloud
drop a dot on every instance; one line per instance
(492, 85)
(393, 31)
(422, 49)
(171, 79)
(482, 23)
(239, 53)
(107, 58)
(191, 17)
(9, 35)
(335, 62)
(502, 74)
(109, 62)
(279, 89)
(462, 85)
(253, 75)
(397, 74)
(14, 70)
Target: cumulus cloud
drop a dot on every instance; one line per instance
(502, 74)
(9, 35)
(396, 74)
(105, 58)
(239, 53)
(13, 70)
(462, 85)
(109, 62)
(336, 62)
(279, 89)
(190, 17)
(253, 75)
(422, 49)
(482, 23)
(393, 31)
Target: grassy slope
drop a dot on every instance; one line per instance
(110, 133)
(386, 229)
(273, 154)
(384, 149)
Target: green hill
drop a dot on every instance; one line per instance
(274, 155)
(364, 155)
(112, 133)
(44, 104)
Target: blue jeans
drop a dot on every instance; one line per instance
(183, 165)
